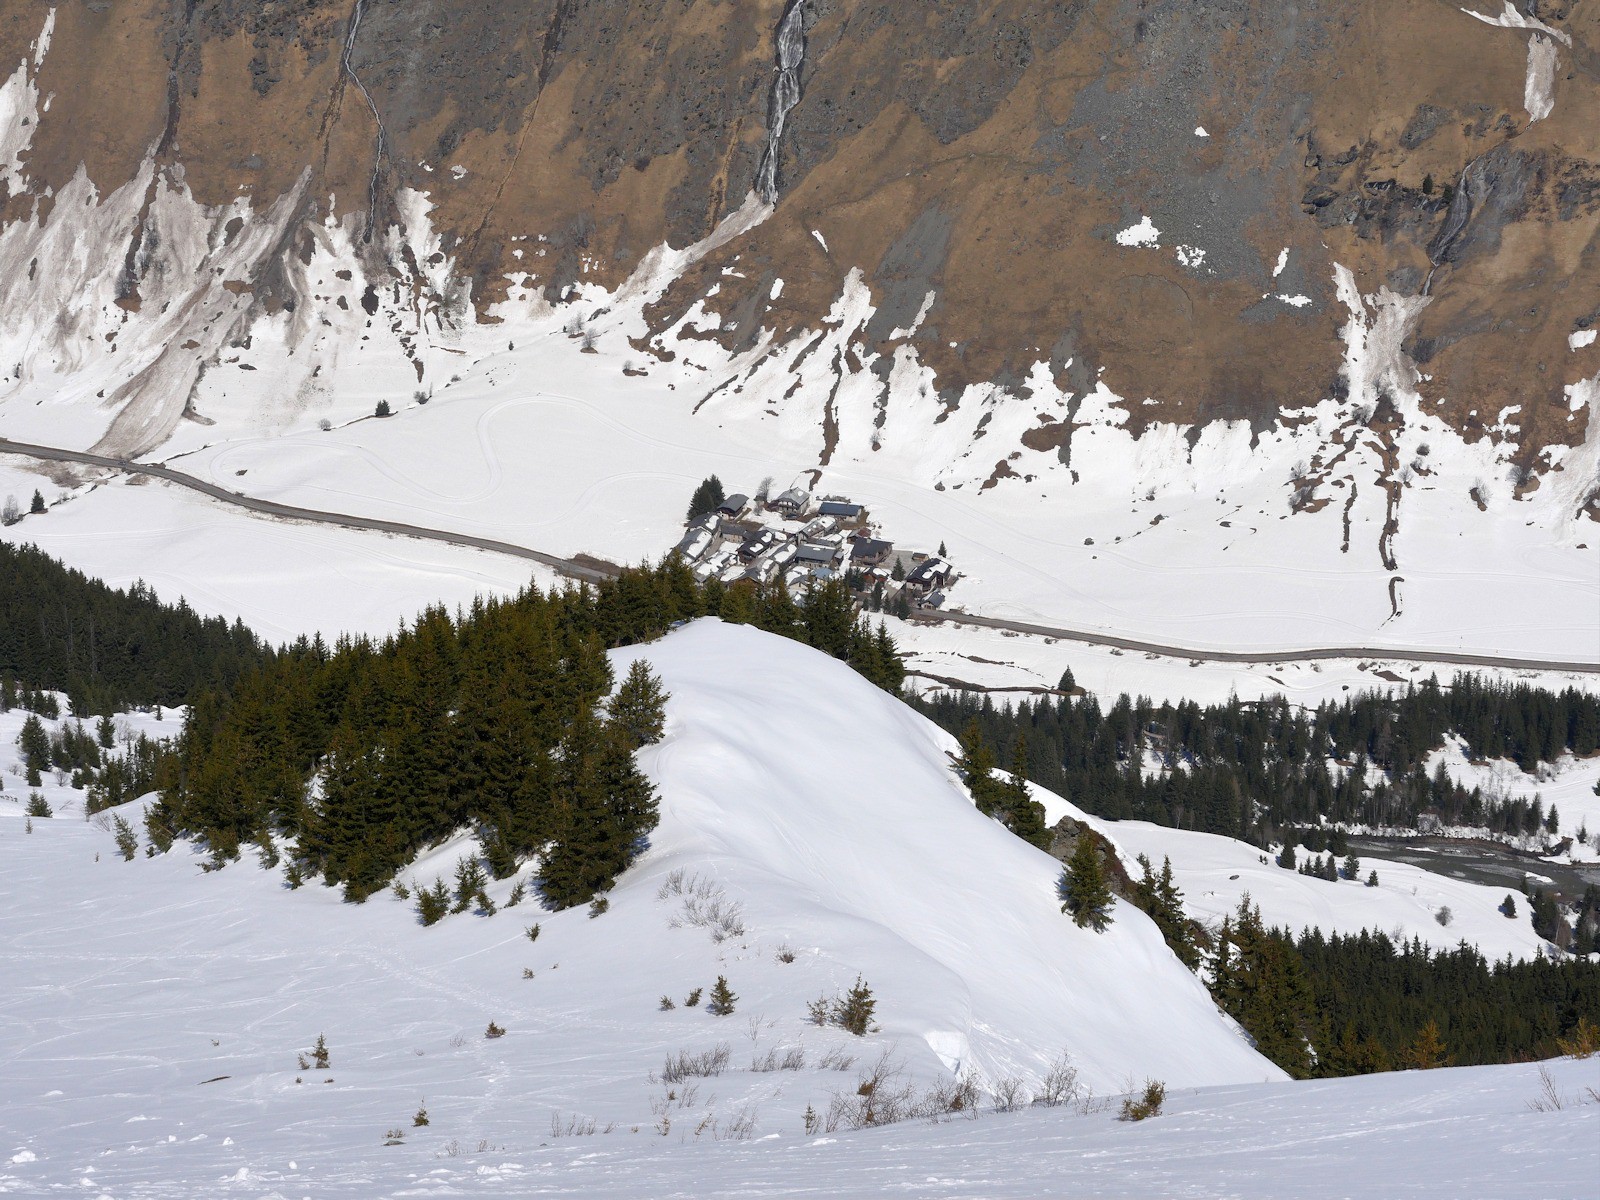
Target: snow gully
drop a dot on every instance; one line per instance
(785, 94)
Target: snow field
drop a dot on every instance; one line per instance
(150, 1001)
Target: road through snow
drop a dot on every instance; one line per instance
(594, 570)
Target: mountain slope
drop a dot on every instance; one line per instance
(150, 1001)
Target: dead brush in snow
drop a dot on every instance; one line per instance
(883, 1097)
(703, 904)
(686, 1064)
(793, 1058)
(575, 1125)
(1060, 1085)
(1011, 1094)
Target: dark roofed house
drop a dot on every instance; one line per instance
(841, 509)
(823, 555)
(931, 574)
(795, 500)
(734, 505)
(868, 552)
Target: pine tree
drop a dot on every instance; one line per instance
(638, 710)
(722, 998)
(1088, 894)
(38, 503)
(1372, 878)
(853, 1011)
(707, 497)
(1426, 1052)
(1352, 867)
(1159, 897)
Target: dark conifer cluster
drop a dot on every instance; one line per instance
(1358, 1003)
(107, 648)
(362, 754)
(1007, 800)
(1250, 769)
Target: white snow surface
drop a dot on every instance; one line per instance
(821, 807)
(1143, 233)
(1580, 339)
(154, 1013)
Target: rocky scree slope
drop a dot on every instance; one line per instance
(1192, 204)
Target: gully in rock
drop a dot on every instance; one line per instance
(785, 94)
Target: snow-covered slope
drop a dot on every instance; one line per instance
(153, 1011)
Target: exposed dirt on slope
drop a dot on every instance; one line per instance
(988, 154)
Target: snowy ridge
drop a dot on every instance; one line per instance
(827, 814)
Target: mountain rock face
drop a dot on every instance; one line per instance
(1216, 209)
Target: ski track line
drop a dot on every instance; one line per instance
(576, 570)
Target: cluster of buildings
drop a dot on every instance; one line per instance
(800, 539)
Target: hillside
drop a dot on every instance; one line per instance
(817, 811)
(1144, 294)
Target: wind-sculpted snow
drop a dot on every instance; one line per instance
(155, 1016)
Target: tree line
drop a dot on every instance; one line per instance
(353, 758)
(1353, 1004)
(1252, 769)
(108, 648)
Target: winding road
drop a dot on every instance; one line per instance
(594, 570)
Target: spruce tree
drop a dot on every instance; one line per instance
(722, 998)
(1088, 894)
(853, 1011)
(638, 710)
(707, 497)
(38, 503)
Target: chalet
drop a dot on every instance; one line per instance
(819, 527)
(792, 502)
(930, 575)
(695, 542)
(734, 505)
(868, 552)
(818, 554)
(841, 510)
(758, 544)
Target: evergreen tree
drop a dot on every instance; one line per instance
(638, 710)
(853, 1011)
(1427, 1051)
(1158, 896)
(707, 497)
(722, 998)
(38, 503)
(1372, 878)
(1083, 880)
(1262, 983)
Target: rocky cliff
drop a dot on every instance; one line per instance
(1212, 209)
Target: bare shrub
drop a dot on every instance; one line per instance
(882, 1097)
(1060, 1084)
(704, 905)
(1010, 1094)
(835, 1059)
(1549, 1098)
(574, 1126)
(688, 1065)
(791, 1059)
(1444, 916)
(785, 953)
(740, 1127)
